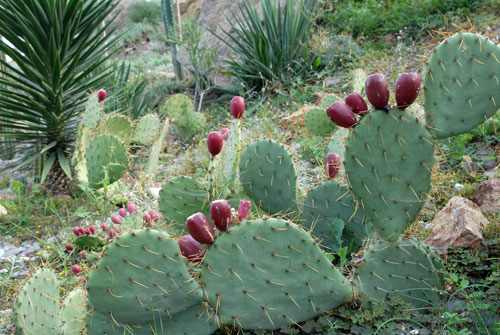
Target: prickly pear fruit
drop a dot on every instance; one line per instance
(200, 228)
(341, 115)
(68, 248)
(122, 212)
(101, 95)
(116, 219)
(356, 102)
(243, 209)
(92, 230)
(377, 90)
(332, 165)
(131, 208)
(76, 231)
(190, 248)
(104, 226)
(237, 107)
(76, 269)
(215, 140)
(407, 89)
(220, 212)
(225, 133)
(146, 218)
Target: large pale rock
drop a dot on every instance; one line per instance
(459, 224)
(297, 118)
(487, 195)
(3, 211)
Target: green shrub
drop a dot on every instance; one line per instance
(145, 11)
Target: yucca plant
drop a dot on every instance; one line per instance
(272, 48)
(57, 49)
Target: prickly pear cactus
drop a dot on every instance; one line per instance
(118, 125)
(268, 176)
(227, 161)
(405, 267)
(180, 197)
(178, 107)
(106, 157)
(196, 124)
(154, 156)
(461, 84)
(147, 129)
(318, 123)
(329, 100)
(36, 310)
(270, 273)
(333, 217)
(358, 81)
(144, 271)
(337, 146)
(92, 113)
(388, 161)
(73, 312)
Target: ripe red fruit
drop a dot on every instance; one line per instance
(131, 208)
(122, 212)
(220, 212)
(83, 254)
(243, 209)
(407, 89)
(377, 90)
(237, 107)
(116, 219)
(76, 231)
(68, 248)
(104, 226)
(332, 165)
(225, 133)
(215, 142)
(341, 115)
(190, 248)
(101, 95)
(92, 230)
(200, 228)
(146, 218)
(356, 102)
(76, 269)
(112, 233)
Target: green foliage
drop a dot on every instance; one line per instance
(375, 18)
(338, 51)
(168, 17)
(311, 149)
(270, 49)
(58, 49)
(145, 11)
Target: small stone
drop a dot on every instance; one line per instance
(3, 211)
(13, 251)
(458, 187)
(2, 252)
(487, 195)
(332, 81)
(154, 192)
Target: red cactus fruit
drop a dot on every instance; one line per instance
(332, 165)
(220, 212)
(237, 107)
(92, 230)
(146, 218)
(122, 212)
(377, 90)
(101, 95)
(83, 254)
(190, 248)
(225, 133)
(68, 248)
(104, 226)
(341, 115)
(76, 269)
(81, 230)
(200, 228)
(76, 231)
(112, 233)
(215, 142)
(356, 102)
(407, 89)
(131, 208)
(86, 231)
(116, 219)
(243, 209)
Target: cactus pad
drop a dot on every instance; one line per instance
(337, 146)
(144, 271)
(92, 113)
(227, 160)
(461, 84)
(358, 81)
(36, 310)
(196, 124)
(181, 197)
(178, 107)
(329, 206)
(268, 176)
(269, 273)
(403, 267)
(388, 162)
(318, 123)
(118, 125)
(106, 156)
(73, 312)
(147, 129)
(328, 100)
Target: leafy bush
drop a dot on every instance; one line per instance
(145, 11)
(373, 18)
(272, 48)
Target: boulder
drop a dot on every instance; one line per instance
(487, 195)
(459, 224)
(297, 118)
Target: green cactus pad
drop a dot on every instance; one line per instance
(144, 271)
(337, 146)
(36, 310)
(358, 81)
(181, 197)
(105, 156)
(147, 129)
(178, 107)
(79, 161)
(227, 161)
(318, 123)
(461, 84)
(73, 312)
(196, 123)
(92, 113)
(329, 206)
(156, 149)
(268, 176)
(328, 100)
(270, 273)
(118, 125)
(388, 162)
(403, 267)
